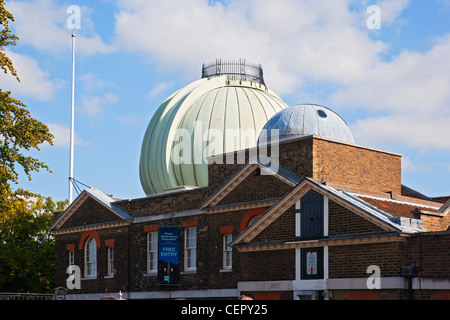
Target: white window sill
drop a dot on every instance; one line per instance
(189, 271)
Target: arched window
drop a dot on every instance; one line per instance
(90, 258)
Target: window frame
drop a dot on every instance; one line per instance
(190, 250)
(152, 252)
(227, 252)
(71, 257)
(87, 256)
(110, 269)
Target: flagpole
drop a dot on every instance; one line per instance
(72, 126)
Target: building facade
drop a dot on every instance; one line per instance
(327, 220)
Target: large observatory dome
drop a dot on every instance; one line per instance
(304, 120)
(222, 112)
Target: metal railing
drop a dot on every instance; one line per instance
(25, 296)
(233, 67)
(60, 294)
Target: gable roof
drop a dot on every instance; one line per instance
(396, 208)
(254, 163)
(97, 195)
(358, 206)
(445, 209)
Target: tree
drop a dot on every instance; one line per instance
(27, 248)
(19, 132)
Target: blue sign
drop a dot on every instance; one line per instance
(169, 255)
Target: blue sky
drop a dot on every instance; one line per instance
(392, 84)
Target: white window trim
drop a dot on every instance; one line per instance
(71, 257)
(155, 251)
(110, 273)
(227, 249)
(190, 249)
(92, 276)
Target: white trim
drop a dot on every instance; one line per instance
(176, 294)
(92, 227)
(420, 204)
(264, 286)
(260, 286)
(325, 215)
(297, 220)
(187, 250)
(169, 215)
(317, 284)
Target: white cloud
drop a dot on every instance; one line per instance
(306, 42)
(409, 165)
(392, 9)
(42, 24)
(34, 82)
(317, 39)
(159, 88)
(92, 82)
(62, 136)
(411, 81)
(94, 105)
(412, 91)
(416, 130)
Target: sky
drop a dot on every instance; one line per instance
(384, 66)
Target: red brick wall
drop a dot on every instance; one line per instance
(435, 223)
(356, 166)
(328, 161)
(267, 265)
(170, 202)
(342, 221)
(257, 187)
(431, 253)
(90, 212)
(120, 235)
(353, 261)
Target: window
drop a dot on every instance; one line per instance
(111, 261)
(312, 263)
(152, 252)
(71, 257)
(312, 215)
(90, 254)
(190, 252)
(227, 252)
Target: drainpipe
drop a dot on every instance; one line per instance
(409, 272)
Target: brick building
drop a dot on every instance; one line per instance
(323, 219)
(346, 220)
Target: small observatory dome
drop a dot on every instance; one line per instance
(304, 120)
(220, 113)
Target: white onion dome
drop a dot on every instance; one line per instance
(214, 115)
(304, 120)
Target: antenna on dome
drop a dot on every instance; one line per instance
(72, 126)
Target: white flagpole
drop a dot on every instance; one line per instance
(72, 127)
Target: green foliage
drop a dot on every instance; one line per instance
(27, 249)
(19, 132)
(26, 246)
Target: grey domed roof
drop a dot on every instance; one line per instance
(304, 120)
